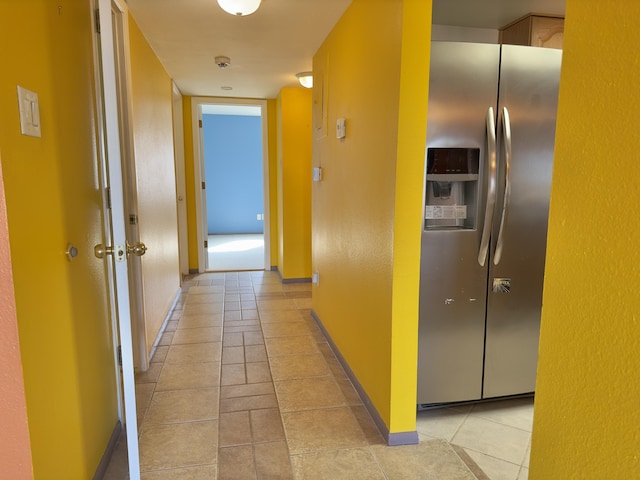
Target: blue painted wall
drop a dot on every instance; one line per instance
(233, 172)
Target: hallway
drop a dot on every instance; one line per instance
(245, 386)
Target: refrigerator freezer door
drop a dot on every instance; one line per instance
(529, 90)
(463, 86)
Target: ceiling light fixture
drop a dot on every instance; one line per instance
(240, 8)
(305, 79)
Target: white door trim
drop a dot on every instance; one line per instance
(198, 164)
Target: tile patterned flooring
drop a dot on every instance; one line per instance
(243, 385)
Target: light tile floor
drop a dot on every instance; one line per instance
(244, 386)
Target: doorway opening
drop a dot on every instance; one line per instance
(232, 180)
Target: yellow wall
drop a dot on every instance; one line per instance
(272, 123)
(366, 211)
(152, 125)
(587, 407)
(294, 183)
(52, 196)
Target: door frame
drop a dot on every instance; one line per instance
(181, 194)
(198, 168)
(111, 185)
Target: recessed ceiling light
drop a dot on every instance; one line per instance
(226, 88)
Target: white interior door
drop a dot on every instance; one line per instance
(115, 246)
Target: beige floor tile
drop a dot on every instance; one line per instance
(494, 468)
(179, 445)
(160, 354)
(235, 429)
(238, 327)
(255, 353)
(207, 472)
(345, 464)
(232, 315)
(255, 402)
(232, 339)
(231, 306)
(203, 309)
(175, 406)
(171, 326)
(277, 346)
(266, 425)
(326, 429)
(197, 335)
(302, 303)
(523, 474)
(206, 289)
(276, 304)
(189, 375)
(249, 314)
(280, 316)
(232, 355)
(258, 372)
(285, 329)
(204, 298)
(199, 321)
(371, 432)
(494, 439)
(272, 461)
(144, 392)
(151, 375)
(166, 338)
(308, 394)
(246, 390)
(348, 390)
(236, 463)
(253, 338)
(432, 460)
(233, 374)
(515, 412)
(298, 366)
(194, 353)
(440, 422)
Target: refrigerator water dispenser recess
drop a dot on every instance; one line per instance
(452, 188)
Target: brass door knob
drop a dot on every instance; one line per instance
(138, 249)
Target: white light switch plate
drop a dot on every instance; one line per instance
(341, 128)
(29, 112)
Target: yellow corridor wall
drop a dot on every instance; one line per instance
(52, 199)
(587, 395)
(372, 70)
(294, 183)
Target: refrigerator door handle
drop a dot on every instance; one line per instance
(491, 192)
(506, 131)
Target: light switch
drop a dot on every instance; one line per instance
(317, 174)
(341, 128)
(29, 112)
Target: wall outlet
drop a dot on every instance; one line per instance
(260, 216)
(315, 278)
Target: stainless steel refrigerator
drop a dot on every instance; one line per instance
(490, 138)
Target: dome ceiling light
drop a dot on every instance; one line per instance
(240, 8)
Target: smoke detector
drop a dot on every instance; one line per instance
(223, 62)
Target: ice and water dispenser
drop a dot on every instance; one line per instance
(452, 188)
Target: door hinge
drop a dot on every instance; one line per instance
(119, 355)
(97, 19)
(204, 186)
(108, 195)
(133, 219)
(200, 123)
(206, 244)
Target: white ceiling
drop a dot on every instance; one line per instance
(270, 46)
